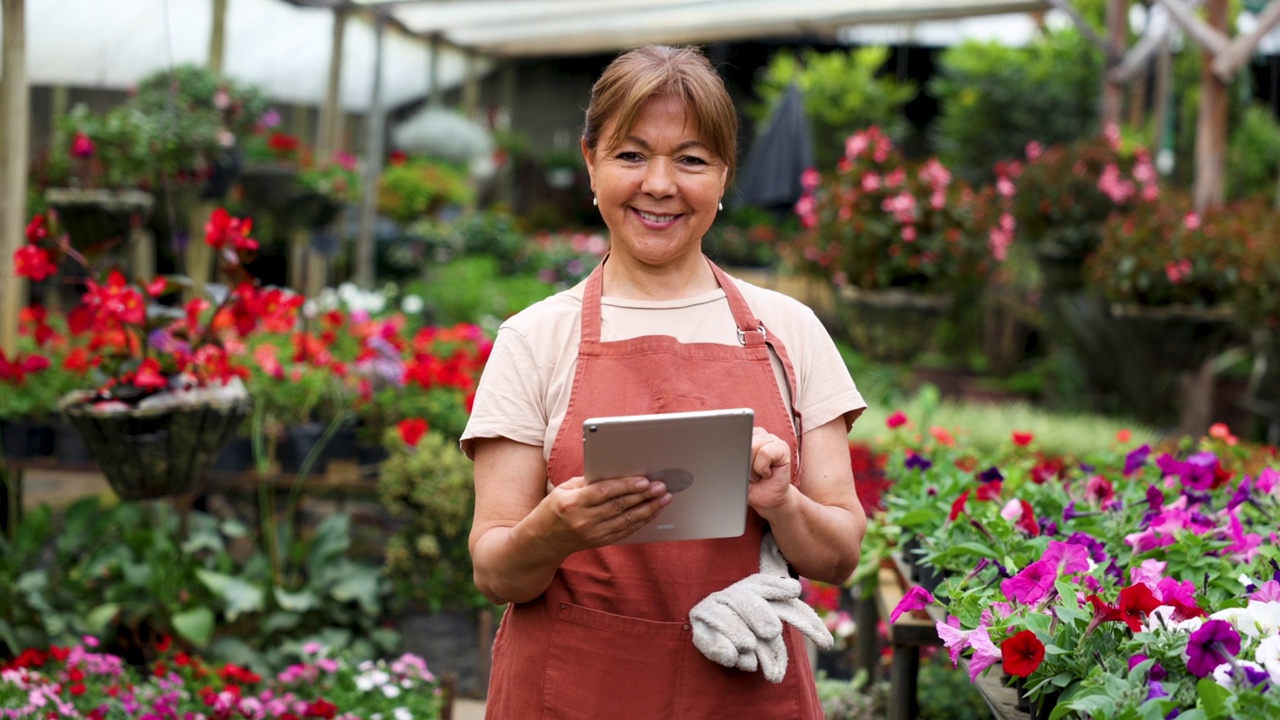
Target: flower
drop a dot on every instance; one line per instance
(917, 598)
(138, 349)
(1216, 642)
(1022, 653)
(880, 222)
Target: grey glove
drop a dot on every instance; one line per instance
(741, 626)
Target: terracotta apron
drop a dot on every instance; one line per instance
(610, 638)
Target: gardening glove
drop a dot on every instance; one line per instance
(741, 626)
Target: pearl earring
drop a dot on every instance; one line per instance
(719, 206)
(594, 201)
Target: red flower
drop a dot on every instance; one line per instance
(223, 230)
(896, 420)
(957, 506)
(16, 370)
(37, 229)
(321, 708)
(990, 491)
(33, 261)
(149, 377)
(1028, 522)
(412, 430)
(1022, 653)
(81, 146)
(77, 689)
(1022, 439)
(1136, 602)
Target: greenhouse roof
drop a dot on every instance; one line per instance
(284, 45)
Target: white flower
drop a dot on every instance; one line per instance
(1244, 580)
(1268, 656)
(402, 713)
(1162, 619)
(390, 691)
(364, 683)
(412, 305)
(1225, 676)
(1257, 619)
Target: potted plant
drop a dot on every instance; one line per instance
(269, 177)
(897, 240)
(420, 187)
(562, 166)
(44, 367)
(1171, 274)
(167, 391)
(1065, 193)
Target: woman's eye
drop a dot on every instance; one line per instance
(692, 160)
(629, 156)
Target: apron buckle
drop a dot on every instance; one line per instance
(742, 334)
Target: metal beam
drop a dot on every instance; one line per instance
(15, 100)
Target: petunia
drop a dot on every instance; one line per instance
(991, 474)
(989, 491)
(1147, 540)
(1136, 458)
(1268, 591)
(1031, 585)
(1214, 643)
(896, 420)
(1241, 674)
(1149, 572)
(1268, 479)
(1027, 522)
(1242, 494)
(957, 505)
(1244, 546)
(1135, 603)
(917, 462)
(1022, 653)
(985, 653)
(1267, 655)
(1022, 439)
(1067, 557)
(954, 638)
(1099, 490)
(917, 598)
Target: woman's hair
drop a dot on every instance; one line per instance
(654, 71)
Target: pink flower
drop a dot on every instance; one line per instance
(82, 146)
(896, 420)
(1067, 558)
(810, 179)
(1268, 591)
(1191, 221)
(1034, 150)
(985, 653)
(953, 638)
(1031, 585)
(917, 598)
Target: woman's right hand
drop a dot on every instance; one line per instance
(595, 514)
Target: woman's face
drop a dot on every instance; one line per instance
(657, 187)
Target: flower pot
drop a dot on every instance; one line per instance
(269, 187)
(893, 324)
(235, 456)
(26, 439)
(92, 217)
(164, 445)
(1178, 338)
(298, 442)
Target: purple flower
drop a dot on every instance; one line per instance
(1069, 512)
(1155, 498)
(1242, 493)
(1155, 690)
(915, 599)
(1097, 550)
(1069, 558)
(1214, 643)
(991, 474)
(1136, 459)
(917, 462)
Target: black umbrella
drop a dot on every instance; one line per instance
(770, 177)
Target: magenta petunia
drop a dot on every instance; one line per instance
(1031, 585)
(1068, 558)
(985, 653)
(1268, 591)
(917, 598)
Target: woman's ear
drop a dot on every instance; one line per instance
(590, 159)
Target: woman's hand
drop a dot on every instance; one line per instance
(770, 471)
(599, 513)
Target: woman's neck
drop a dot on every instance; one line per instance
(626, 278)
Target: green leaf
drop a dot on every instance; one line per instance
(360, 584)
(239, 596)
(1038, 623)
(195, 625)
(280, 621)
(1217, 700)
(300, 601)
(99, 618)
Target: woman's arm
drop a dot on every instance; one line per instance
(521, 533)
(818, 523)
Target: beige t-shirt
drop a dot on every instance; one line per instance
(523, 394)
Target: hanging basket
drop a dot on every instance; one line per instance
(893, 324)
(310, 209)
(164, 445)
(269, 187)
(1177, 338)
(91, 217)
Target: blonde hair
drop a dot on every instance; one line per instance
(636, 76)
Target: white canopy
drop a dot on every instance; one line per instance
(279, 46)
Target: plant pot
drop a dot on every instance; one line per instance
(165, 444)
(92, 217)
(26, 439)
(1177, 338)
(298, 443)
(269, 187)
(893, 324)
(235, 456)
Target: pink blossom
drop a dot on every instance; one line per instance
(1191, 221)
(1012, 510)
(909, 233)
(1244, 546)
(953, 638)
(810, 179)
(1115, 187)
(1068, 558)
(985, 653)
(1005, 187)
(1177, 271)
(935, 174)
(1032, 584)
(1148, 573)
(1034, 150)
(1112, 134)
(917, 598)
(855, 144)
(1146, 540)
(1268, 591)
(1267, 480)
(871, 181)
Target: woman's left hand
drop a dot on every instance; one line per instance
(770, 471)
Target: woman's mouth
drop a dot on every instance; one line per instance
(656, 218)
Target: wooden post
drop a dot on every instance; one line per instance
(142, 253)
(471, 87)
(376, 122)
(198, 259)
(1117, 41)
(435, 97)
(330, 122)
(217, 36)
(1211, 124)
(15, 100)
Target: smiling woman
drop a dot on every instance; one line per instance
(598, 627)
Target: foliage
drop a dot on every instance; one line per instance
(419, 187)
(1253, 155)
(994, 100)
(1258, 296)
(1166, 253)
(44, 367)
(336, 179)
(880, 222)
(474, 289)
(1124, 583)
(134, 571)
(427, 483)
(92, 150)
(84, 681)
(563, 259)
(1065, 192)
(748, 237)
(843, 91)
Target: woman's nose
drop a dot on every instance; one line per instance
(659, 178)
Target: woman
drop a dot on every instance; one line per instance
(594, 630)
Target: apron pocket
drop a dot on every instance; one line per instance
(601, 665)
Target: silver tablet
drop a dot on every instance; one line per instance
(703, 457)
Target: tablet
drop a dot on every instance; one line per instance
(703, 457)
